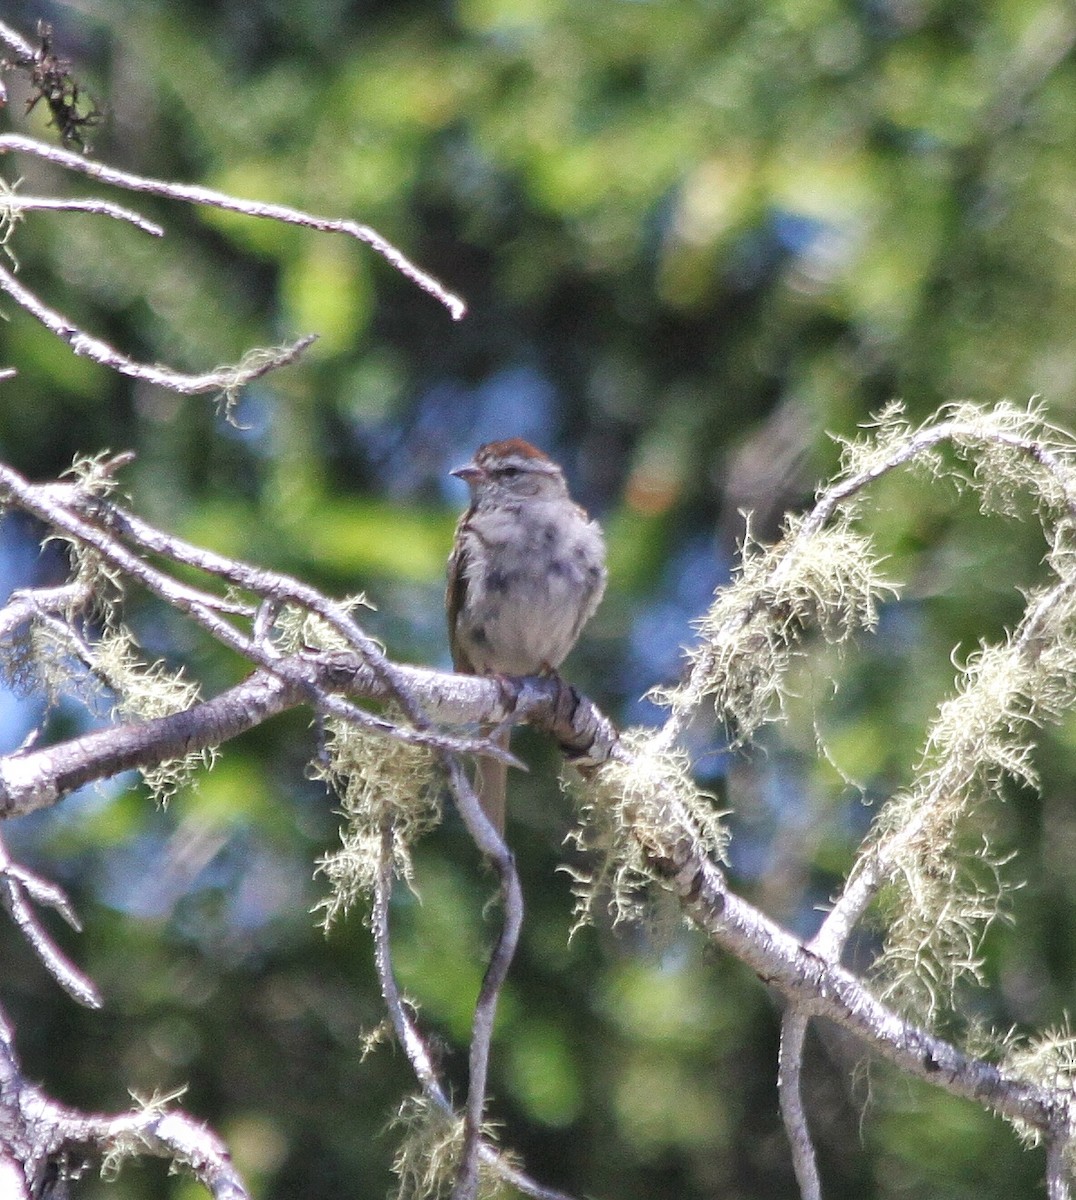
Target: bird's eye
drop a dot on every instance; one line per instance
(509, 472)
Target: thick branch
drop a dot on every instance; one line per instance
(39, 777)
(36, 779)
(819, 988)
(814, 986)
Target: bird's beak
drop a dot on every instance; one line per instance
(469, 472)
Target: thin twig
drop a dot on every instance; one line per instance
(790, 1094)
(16, 885)
(47, 1129)
(15, 41)
(409, 1037)
(407, 1033)
(173, 1135)
(97, 522)
(278, 588)
(41, 503)
(28, 604)
(223, 379)
(194, 194)
(496, 850)
(15, 203)
(485, 1009)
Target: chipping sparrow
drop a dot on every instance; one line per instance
(527, 569)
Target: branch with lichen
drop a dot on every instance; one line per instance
(925, 871)
(306, 649)
(938, 884)
(42, 1135)
(644, 822)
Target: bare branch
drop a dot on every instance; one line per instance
(26, 605)
(790, 1094)
(820, 988)
(1058, 1174)
(409, 1037)
(15, 41)
(17, 885)
(194, 194)
(278, 589)
(406, 1031)
(13, 204)
(92, 521)
(493, 846)
(173, 1135)
(34, 779)
(223, 379)
(61, 507)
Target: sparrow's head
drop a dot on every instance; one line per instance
(511, 469)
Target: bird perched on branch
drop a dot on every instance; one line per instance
(527, 570)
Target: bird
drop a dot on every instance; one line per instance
(526, 572)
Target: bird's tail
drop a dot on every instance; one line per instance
(491, 781)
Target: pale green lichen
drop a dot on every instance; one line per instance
(827, 580)
(144, 691)
(387, 788)
(944, 884)
(298, 629)
(1047, 1060)
(629, 805)
(130, 1142)
(428, 1154)
(108, 674)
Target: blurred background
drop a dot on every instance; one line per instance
(697, 237)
